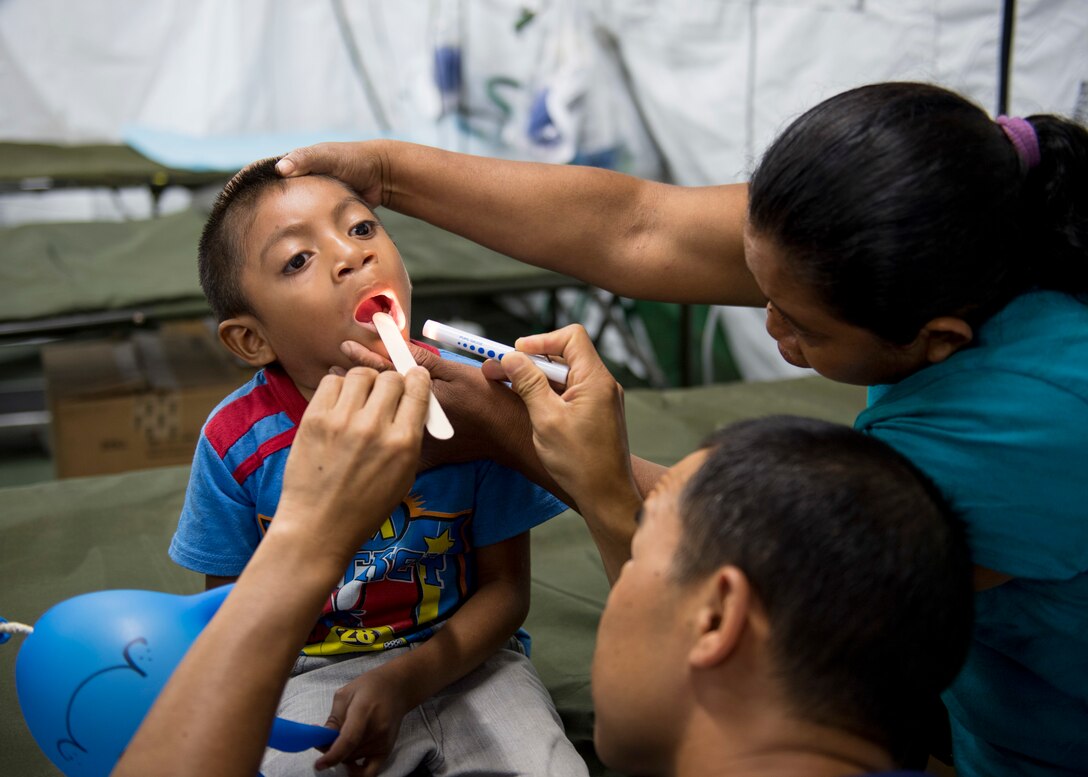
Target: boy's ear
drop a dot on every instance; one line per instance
(243, 337)
(725, 612)
(944, 336)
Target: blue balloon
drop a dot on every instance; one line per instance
(95, 664)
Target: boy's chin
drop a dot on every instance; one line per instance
(364, 353)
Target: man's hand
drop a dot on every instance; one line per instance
(489, 420)
(368, 713)
(360, 165)
(580, 435)
(353, 458)
(358, 444)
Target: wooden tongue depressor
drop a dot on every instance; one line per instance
(437, 423)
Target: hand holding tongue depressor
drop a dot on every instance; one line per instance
(437, 423)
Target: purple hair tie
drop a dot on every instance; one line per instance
(1022, 135)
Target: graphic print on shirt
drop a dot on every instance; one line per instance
(413, 573)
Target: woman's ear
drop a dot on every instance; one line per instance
(722, 617)
(243, 337)
(944, 336)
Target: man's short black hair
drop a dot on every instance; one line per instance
(860, 563)
(220, 257)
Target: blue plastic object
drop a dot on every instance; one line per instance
(542, 129)
(95, 664)
(447, 70)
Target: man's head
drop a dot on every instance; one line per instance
(793, 564)
(294, 267)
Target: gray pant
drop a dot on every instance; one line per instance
(497, 720)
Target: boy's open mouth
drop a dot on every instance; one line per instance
(379, 303)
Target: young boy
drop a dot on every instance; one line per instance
(412, 658)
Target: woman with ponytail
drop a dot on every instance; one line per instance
(906, 241)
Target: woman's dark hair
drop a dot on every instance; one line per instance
(901, 202)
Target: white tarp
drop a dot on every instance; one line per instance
(707, 83)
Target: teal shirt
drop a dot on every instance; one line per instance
(1002, 428)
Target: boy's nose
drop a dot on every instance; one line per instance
(353, 258)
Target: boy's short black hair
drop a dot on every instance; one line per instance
(860, 563)
(220, 256)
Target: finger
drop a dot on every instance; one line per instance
(327, 393)
(364, 357)
(341, 746)
(305, 160)
(573, 343)
(425, 357)
(288, 165)
(382, 403)
(550, 343)
(334, 723)
(412, 410)
(446, 370)
(338, 371)
(358, 384)
(493, 370)
(529, 382)
(357, 767)
(372, 766)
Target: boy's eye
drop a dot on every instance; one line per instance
(295, 263)
(364, 229)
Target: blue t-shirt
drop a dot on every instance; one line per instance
(1002, 428)
(410, 576)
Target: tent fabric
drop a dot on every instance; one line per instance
(56, 269)
(45, 165)
(738, 72)
(222, 152)
(689, 91)
(62, 538)
(59, 269)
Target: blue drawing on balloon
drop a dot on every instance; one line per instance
(134, 653)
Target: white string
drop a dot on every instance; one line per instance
(15, 628)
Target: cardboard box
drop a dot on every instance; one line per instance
(135, 402)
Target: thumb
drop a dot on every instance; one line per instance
(362, 356)
(333, 159)
(341, 747)
(425, 358)
(372, 766)
(528, 381)
(295, 163)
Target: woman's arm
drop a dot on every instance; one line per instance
(360, 433)
(633, 237)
